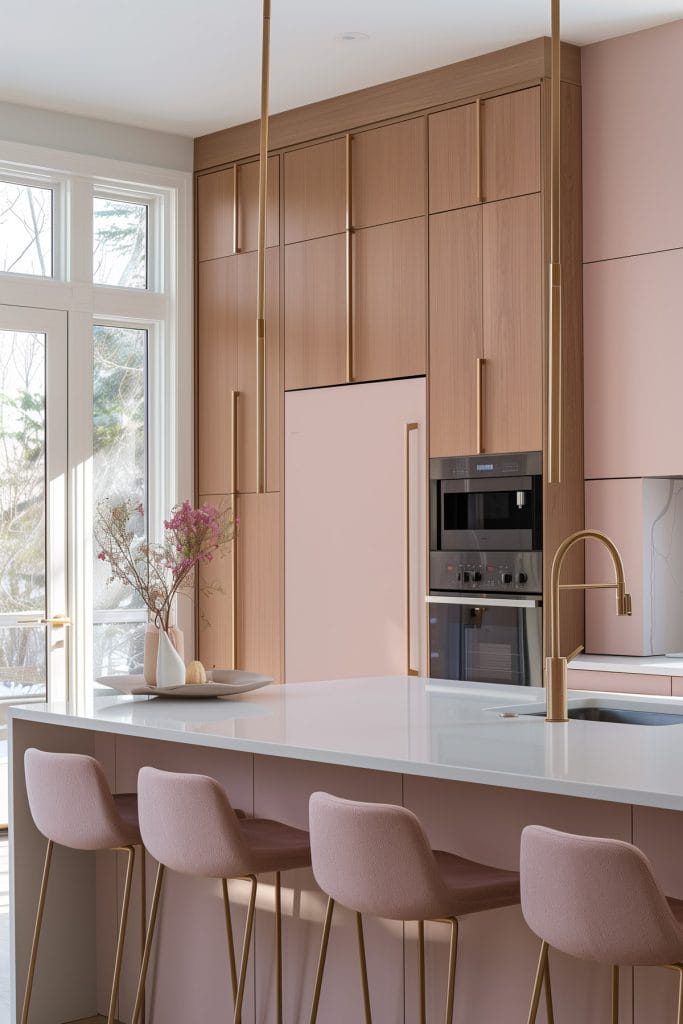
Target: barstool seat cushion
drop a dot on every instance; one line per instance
(473, 887)
(275, 846)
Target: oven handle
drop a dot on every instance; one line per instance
(479, 601)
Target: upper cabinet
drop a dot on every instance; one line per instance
(227, 210)
(485, 151)
(315, 191)
(388, 173)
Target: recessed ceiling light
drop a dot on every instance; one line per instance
(351, 37)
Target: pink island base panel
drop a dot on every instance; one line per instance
(188, 978)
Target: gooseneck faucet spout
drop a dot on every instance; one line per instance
(556, 665)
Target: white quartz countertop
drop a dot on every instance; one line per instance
(650, 666)
(410, 725)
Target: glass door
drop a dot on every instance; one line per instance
(33, 512)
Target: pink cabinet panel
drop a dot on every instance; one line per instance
(633, 358)
(620, 682)
(677, 686)
(346, 544)
(633, 143)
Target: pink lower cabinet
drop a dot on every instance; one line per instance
(355, 530)
(620, 682)
(677, 686)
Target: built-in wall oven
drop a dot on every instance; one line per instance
(486, 570)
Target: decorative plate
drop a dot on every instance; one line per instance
(220, 683)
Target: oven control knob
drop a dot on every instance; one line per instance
(507, 577)
(522, 578)
(466, 577)
(476, 577)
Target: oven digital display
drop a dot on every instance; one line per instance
(484, 467)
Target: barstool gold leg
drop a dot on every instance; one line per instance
(153, 911)
(679, 1016)
(363, 968)
(452, 964)
(231, 939)
(113, 998)
(321, 961)
(421, 963)
(143, 915)
(245, 950)
(550, 1016)
(541, 972)
(36, 932)
(278, 946)
(615, 994)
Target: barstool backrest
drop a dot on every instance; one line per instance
(188, 824)
(596, 899)
(374, 858)
(71, 802)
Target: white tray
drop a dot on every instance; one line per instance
(222, 682)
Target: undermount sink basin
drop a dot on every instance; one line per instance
(621, 716)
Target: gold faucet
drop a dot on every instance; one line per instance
(556, 665)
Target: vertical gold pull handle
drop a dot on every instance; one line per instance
(479, 171)
(233, 488)
(349, 265)
(261, 261)
(554, 405)
(235, 212)
(410, 427)
(481, 363)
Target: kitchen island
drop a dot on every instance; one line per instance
(476, 762)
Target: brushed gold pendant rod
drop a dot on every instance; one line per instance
(555, 268)
(261, 261)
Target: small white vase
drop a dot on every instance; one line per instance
(170, 666)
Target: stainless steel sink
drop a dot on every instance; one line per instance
(621, 716)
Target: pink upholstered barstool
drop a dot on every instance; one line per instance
(188, 825)
(72, 805)
(376, 859)
(598, 900)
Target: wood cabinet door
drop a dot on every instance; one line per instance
(216, 372)
(315, 312)
(511, 144)
(388, 173)
(315, 191)
(215, 600)
(513, 325)
(453, 159)
(215, 214)
(247, 204)
(259, 584)
(390, 300)
(246, 371)
(455, 329)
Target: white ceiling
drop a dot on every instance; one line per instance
(192, 66)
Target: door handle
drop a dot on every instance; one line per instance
(410, 427)
(57, 621)
(481, 363)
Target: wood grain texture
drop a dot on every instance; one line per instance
(215, 207)
(455, 329)
(388, 173)
(513, 326)
(247, 204)
(259, 594)
(216, 372)
(390, 300)
(215, 608)
(511, 145)
(453, 158)
(501, 70)
(246, 371)
(315, 313)
(315, 191)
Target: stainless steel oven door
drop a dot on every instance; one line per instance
(484, 639)
(489, 515)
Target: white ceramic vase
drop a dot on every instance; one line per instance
(170, 666)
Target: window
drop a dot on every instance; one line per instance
(25, 229)
(120, 239)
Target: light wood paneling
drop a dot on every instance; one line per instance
(388, 173)
(215, 608)
(315, 191)
(511, 145)
(456, 337)
(246, 371)
(259, 593)
(215, 208)
(315, 313)
(216, 372)
(453, 162)
(513, 325)
(390, 300)
(247, 205)
(505, 69)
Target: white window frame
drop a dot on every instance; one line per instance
(164, 309)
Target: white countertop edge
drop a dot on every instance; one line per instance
(647, 666)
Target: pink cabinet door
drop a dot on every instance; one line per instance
(347, 545)
(619, 682)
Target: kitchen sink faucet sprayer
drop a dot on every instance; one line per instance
(556, 665)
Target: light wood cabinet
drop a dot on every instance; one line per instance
(216, 372)
(315, 191)
(215, 600)
(315, 312)
(259, 584)
(215, 214)
(619, 682)
(390, 301)
(388, 173)
(456, 330)
(247, 205)
(485, 152)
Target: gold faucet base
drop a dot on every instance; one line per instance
(556, 690)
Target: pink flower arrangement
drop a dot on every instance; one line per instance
(157, 572)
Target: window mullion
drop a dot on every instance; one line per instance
(79, 203)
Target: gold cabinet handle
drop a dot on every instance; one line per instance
(261, 261)
(410, 427)
(479, 171)
(554, 465)
(233, 489)
(234, 396)
(349, 264)
(235, 212)
(481, 363)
